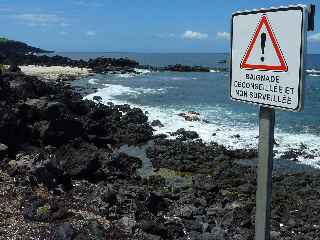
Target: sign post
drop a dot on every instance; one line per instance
(268, 48)
(264, 179)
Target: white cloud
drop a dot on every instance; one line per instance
(194, 35)
(7, 10)
(38, 19)
(223, 35)
(314, 37)
(166, 35)
(88, 3)
(91, 33)
(63, 24)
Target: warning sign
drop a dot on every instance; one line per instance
(268, 43)
(267, 57)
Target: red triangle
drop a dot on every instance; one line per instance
(282, 67)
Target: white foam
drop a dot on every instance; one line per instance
(224, 131)
(314, 75)
(178, 78)
(154, 91)
(125, 75)
(142, 71)
(312, 71)
(111, 91)
(214, 71)
(93, 81)
(131, 75)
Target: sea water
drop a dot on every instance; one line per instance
(163, 95)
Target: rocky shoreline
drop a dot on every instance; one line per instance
(97, 65)
(62, 175)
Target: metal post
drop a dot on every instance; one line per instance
(264, 174)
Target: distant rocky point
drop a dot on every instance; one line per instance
(11, 47)
(18, 53)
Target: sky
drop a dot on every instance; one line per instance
(131, 25)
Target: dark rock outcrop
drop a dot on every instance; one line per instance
(193, 156)
(156, 123)
(183, 68)
(183, 134)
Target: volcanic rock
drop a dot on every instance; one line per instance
(156, 123)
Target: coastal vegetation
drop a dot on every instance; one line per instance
(3, 39)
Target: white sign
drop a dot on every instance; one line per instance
(267, 57)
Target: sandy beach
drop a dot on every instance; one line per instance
(55, 72)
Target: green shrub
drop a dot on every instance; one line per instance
(2, 39)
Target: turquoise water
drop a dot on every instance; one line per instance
(165, 94)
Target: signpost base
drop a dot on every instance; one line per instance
(264, 174)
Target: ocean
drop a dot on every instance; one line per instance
(163, 95)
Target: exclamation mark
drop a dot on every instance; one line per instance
(263, 44)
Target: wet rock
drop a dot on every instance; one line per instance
(97, 98)
(156, 123)
(292, 154)
(184, 135)
(190, 116)
(134, 115)
(237, 136)
(160, 136)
